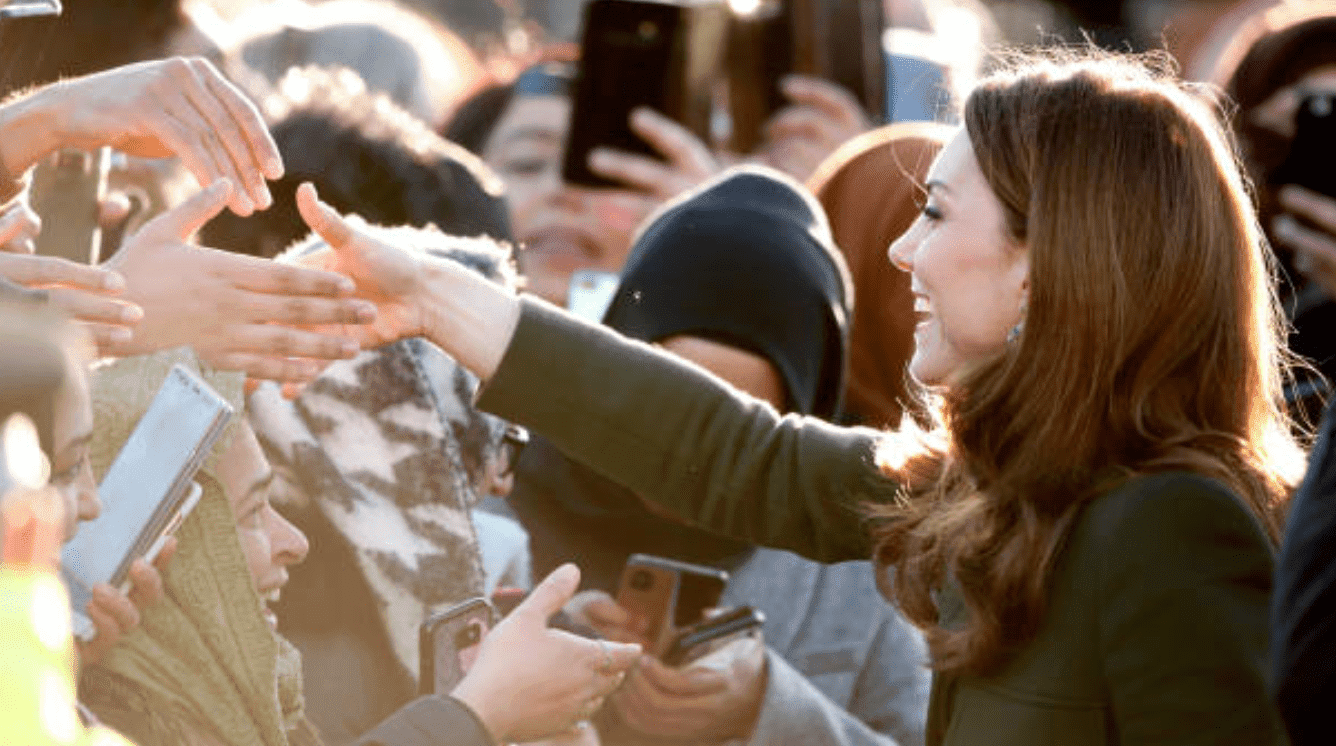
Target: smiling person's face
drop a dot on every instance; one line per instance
(968, 278)
(269, 541)
(560, 228)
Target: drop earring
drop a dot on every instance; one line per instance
(1015, 333)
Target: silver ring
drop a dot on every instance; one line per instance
(606, 670)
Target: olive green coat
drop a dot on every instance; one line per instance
(1156, 632)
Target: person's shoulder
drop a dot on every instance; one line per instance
(1170, 513)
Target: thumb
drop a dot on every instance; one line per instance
(551, 594)
(322, 218)
(183, 220)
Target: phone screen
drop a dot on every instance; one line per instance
(590, 293)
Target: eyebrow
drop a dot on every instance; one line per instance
(937, 185)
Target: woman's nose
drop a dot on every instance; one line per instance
(288, 543)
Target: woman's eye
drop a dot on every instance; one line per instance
(932, 213)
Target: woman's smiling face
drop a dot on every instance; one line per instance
(969, 278)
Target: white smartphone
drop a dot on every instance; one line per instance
(590, 293)
(148, 491)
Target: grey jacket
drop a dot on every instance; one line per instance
(844, 667)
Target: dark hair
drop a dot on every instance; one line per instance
(475, 119)
(87, 37)
(366, 156)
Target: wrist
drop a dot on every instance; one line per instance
(465, 314)
(481, 705)
(29, 131)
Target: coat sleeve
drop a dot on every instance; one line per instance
(1303, 610)
(681, 437)
(430, 721)
(1184, 581)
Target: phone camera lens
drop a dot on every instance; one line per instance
(641, 580)
(648, 30)
(1320, 106)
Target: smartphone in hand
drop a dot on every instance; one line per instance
(705, 637)
(448, 644)
(147, 491)
(666, 595)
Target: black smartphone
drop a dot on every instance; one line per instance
(704, 637)
(664, 55)
(1311, 162)
(448, 644)
(668, 595)
(67, 192)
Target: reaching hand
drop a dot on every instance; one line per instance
(531, 681)
(690, 161)
(87, 294)
(238, 312)
(822, 117)
(713, 699)
(1314, 249)
(179, 106)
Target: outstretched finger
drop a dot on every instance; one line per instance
(18, 227)
(322, 218)
(234, 142)
(184, 220)
(638, 172)
(267, 367)
(43, 271)
(550, 595)
(274, 340)
(680, 144)
(91, 307)
(829, 98)
(275, 278)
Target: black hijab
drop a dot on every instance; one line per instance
(746, 260)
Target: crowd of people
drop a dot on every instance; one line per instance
(993, 380)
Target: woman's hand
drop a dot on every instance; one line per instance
(238, 312)
(90, 295)
(822, 117)
(468, 316)
(179, 106)
(531, 681)
(601, 612)
(713, 699)
(689, 161)
(114, 613)
(1314, 250)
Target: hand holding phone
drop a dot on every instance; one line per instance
(662, 596)
(147, 491)
(705, 637)
(448, 644)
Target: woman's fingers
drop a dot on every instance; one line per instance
(19, 226)
(43, 271)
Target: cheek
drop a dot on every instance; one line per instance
(255, 545)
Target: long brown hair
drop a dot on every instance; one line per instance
(1151, 343)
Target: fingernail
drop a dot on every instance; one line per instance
(1283, 226)
(350, 349)
(366, 312)
(346, 285)
(599, 158)
(113, 281)
(266, 197)
(273, 168)
(131, 314)
(641, 115)
(121, 334)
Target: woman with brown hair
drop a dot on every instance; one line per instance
(1086, 535)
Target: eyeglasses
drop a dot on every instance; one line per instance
(514, 440)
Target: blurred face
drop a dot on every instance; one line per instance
(269, 541)
(1277, 112)
(968, 279)
(560, 228)
(71, 470)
